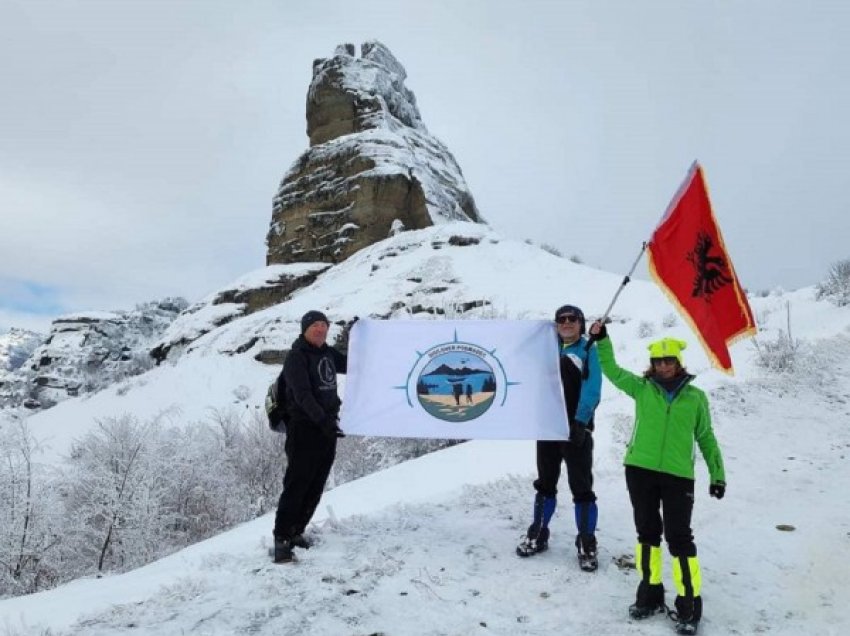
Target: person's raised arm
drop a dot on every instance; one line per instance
(624, 380)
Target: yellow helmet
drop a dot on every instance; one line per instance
(668, 348)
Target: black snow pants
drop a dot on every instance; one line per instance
(309, 458)
(662, 503)
(579, 462)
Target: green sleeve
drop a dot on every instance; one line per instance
(707, 442)
(624, 380)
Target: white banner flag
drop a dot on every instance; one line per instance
(454, 379)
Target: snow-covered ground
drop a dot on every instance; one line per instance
(427, 547)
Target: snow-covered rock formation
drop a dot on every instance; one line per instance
(252, 292)
(455, 270)
(371, 167)
(16, 347)
(88, 351)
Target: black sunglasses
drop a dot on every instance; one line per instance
(665, 360)
(567, 318)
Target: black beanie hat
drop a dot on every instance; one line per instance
(310, 317)
(571, 309)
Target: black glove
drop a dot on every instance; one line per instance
(578, 433)
(603, 333)
(717, 489)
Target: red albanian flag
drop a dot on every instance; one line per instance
(689, 261)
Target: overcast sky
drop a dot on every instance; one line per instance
(141, 143)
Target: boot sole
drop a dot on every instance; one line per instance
(289, 560)
(525, 555)
(644, 614)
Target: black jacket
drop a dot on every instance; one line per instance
(311, 392)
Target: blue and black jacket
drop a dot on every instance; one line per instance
(581, 378)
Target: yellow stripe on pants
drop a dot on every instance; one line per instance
(649, 556)
(686, 576)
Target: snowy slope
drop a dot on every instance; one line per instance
(426, 547)
(401, 277)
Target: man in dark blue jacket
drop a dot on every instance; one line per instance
(582, 382)
(312, 405)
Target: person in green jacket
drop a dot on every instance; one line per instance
(671, 415)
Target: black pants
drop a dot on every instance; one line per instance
(579, 462)
(662, 503)
(309, 461)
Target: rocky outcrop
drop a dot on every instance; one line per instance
(250, 293)
(412, 274)
(372, 167)
(349, 95)
(88, 351)
(15, 347)
(277, 289)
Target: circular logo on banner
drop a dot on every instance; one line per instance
(456, 382)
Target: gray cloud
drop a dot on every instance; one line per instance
(142, 142)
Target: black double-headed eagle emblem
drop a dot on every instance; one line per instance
(712, 268)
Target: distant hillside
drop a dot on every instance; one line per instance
(84, 353)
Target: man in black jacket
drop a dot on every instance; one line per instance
(313, 406)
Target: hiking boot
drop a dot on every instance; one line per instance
(300, 541)
(649, 601)
(688, 614)
(687, 627)
(586, 546)
(531, 545)
(283, 550)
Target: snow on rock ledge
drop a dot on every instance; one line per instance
(248, 294)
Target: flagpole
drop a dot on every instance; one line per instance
(626, 280)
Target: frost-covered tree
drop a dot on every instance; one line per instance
(255, 456)
(134, 491)
(114, 488)
(28, 524)
(836, 286)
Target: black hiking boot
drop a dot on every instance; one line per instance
(688, 614)
(586, 546)
(533, 543)
(300, 541)
(649, 601)
(283, 550)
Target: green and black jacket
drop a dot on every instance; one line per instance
(666, 431)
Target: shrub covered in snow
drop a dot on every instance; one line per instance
(645, 329)
(836, 286)
(779, 355)
(670, 320)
